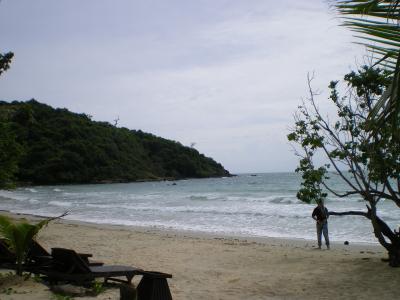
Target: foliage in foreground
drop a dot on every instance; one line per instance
(376, 23)
(19, 235)
(365, 156)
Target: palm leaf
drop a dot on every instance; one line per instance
(19, 235)
(378, 23)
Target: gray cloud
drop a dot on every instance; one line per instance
(227, 75)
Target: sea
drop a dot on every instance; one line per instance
(247, 205)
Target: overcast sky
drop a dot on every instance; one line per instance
(226, 75)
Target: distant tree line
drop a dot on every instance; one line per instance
(43, 145)
(10, 150)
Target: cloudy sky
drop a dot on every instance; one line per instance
(226, 75)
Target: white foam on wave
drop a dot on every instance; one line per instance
(35, 212)
(60, 203)
(32, 190)
(148, 196)
(111, 206)
(113, 221)
(238, 198)
(284, 200)
(207, 197)
(232, 206)
(199, 198)
(13, 195)
(6, 194)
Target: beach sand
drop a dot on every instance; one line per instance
(207, 267)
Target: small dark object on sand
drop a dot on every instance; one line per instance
(346, 242)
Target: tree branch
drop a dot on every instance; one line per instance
(350, 213)
(380, 227)
(338, 194)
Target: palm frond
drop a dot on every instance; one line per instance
(19, 235)
(376, 22)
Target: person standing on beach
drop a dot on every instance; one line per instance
(321, 215)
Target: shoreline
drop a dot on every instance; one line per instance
(222, 268)
(242, 208)
(201, 234)
(21, 184)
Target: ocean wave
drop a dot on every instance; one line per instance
(6, 194)
(232, 206)
(235, 230)
(113, 206)
(275, 199)
(201, 198)
(60, 203)
(13, 196)
(285, 200)
(32, 190)
(207, 198)
(219, 211)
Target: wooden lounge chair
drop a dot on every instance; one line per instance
(38, 258)
(7, 257)
(38, 253)
(69, 266)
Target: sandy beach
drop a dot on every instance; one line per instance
(211, 267)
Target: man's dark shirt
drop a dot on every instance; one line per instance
(321, 215)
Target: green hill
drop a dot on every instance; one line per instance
(57, 146)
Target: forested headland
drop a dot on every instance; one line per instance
(43, 145)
